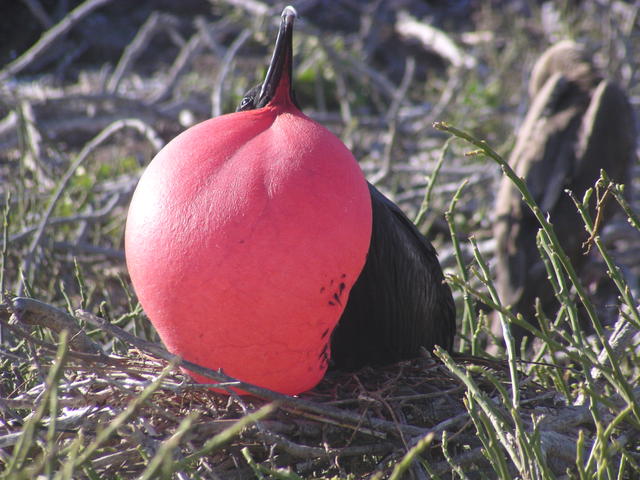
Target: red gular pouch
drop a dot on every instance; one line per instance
(245, 235)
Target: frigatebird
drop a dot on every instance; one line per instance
(578, 123)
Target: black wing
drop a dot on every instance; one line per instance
(400, 302)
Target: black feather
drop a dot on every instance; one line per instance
(400, 302)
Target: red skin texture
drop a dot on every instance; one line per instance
(241, 231)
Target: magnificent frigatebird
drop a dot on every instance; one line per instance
(245, 235)
(400, 302)
(578, 124)
(248, 232)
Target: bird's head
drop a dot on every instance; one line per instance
(276, 89)
(567, 58)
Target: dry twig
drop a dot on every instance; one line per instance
(50, 37)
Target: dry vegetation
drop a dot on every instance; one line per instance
(85, 391)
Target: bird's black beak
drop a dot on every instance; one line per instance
(277, 83)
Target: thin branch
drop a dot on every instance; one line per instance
(154, 23)
(254, 7)
(393, 118)
(216, 95)
(182, 61)
(105, 134)
(433, 39)
(50, 37)
(39, 12)
(291, 403)
(101, 213)
(35, 312)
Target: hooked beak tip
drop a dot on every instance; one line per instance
(289, 14)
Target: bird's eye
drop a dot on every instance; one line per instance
(246, 103)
